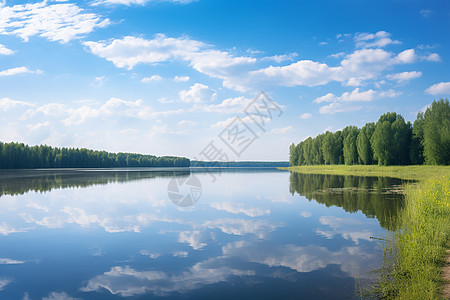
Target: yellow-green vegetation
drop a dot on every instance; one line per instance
(414, 254)
(417, 172)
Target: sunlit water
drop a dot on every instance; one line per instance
(260, 234)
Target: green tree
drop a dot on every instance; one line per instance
(330, 148)
(364, 148)
(436, 133)
(349, 145)
(292, 155)
(416, 148)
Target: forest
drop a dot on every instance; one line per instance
(21, 156)
(389, 141)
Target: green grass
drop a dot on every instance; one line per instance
(414, 255)
(419, 172)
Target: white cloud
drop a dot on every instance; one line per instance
(426, 13)
(9, 261)
(127, 282)
(18, 70)
(111, 109)
(241, 73)
(439, 88)
(130, 51)
(38, 126)
(246, 119)
(305, 116)
(432, 57)
(407, 56)
(180, 254)
(59, 296)
(337, 107)
(193, 238)
(237, 208)
(259, 228)
(280, 130)
(354, 69)
(356, 95)
(304, 72)
(227, 106)
(4, 282)
(57, 22)
(181, 78)
(186, 123)
(404, 76)
(98, 81)
(198, 93)
(5, 51)
(281, 58)
(337, 55)
(305, 214)
(6, 104)
(140, 2)
(350, 229)
(152, 78)
(369, 40)
(330, 97)
(149, 254)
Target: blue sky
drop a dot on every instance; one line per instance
(167, 77)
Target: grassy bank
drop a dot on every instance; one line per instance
(420, 172)
(414, 254)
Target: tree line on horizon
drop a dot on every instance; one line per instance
(21, 156)
(389, 141)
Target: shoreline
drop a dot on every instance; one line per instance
(423, 219)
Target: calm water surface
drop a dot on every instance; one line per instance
(253, 234)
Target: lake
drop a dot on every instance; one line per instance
(191, 234)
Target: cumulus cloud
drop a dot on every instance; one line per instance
(127, 282)
(349, 229)
(60, 22)
(152, 78)
(338, 107)
(5, 51)
(404, 76)
(281, 58)
(194, 238)
(227, 106)
(259, 228)
(130, 51)
(59, 296)
(198, 93)
(9, 261)
(140, 2)
(305, 116)
(340, 103)
(237, 208)
(181, 78)
(18, 70)
(246, 73)
(282, 130)
(4, 282)
(432, 57)
(369, 40)
(74, 115)
(439, 88)
(7, 104)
